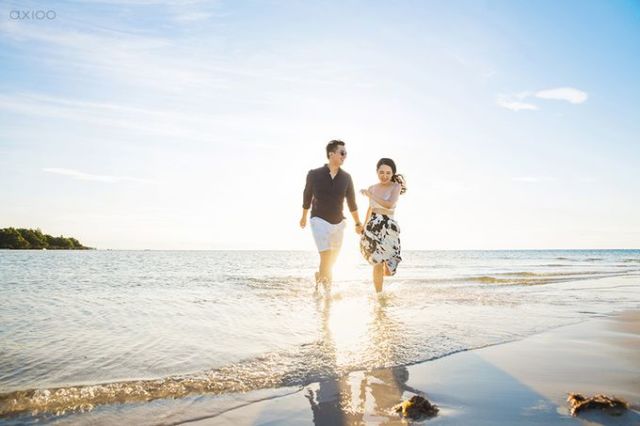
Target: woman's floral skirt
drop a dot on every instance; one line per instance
(380, 242)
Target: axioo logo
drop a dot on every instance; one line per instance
(32, 15)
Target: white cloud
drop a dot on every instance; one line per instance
(568, 94)
(514, 105)
(516, 101)
(124, 57)
(88, 176)
(192, 124)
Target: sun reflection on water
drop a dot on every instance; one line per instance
(359, 334)
(348, 328)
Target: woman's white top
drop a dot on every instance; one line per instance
(375, 205)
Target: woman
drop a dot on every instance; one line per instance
(380, 242)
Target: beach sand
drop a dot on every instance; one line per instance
(522, 382)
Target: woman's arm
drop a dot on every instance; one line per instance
(367, 216)
(388, 204)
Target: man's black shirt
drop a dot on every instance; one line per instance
(326, 195)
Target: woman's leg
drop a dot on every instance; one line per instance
(378, 276)
(387, 272)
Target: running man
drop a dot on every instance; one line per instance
(324, 193)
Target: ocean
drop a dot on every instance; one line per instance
(84, 330)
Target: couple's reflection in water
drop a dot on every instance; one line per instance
(360, 397)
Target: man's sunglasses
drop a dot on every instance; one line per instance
(342, 153)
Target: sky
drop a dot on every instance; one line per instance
(145, 124)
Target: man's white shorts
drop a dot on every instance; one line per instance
(327, 235)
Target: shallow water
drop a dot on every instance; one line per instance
(95, 327)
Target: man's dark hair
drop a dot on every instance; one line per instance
(333, 145)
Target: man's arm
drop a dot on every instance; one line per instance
(356, 219)
(353, 207)
(351, 198)
(307, 196)
(303, 219)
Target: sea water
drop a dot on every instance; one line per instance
(98, 327)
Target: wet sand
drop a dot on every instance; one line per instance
(523, 382)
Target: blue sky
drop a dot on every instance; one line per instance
(191, 124)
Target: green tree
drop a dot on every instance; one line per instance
(58, 242)
(22, 238)
(10, 238)
(35, 237)
(75, 243)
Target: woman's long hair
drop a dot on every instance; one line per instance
(396, 177)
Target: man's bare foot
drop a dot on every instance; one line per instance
(326, 284)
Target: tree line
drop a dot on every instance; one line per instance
(24, 239)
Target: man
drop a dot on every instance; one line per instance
(324, 193)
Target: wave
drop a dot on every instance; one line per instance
(531, 278)
(269, 280)
(485, 279)
(298, 286)
(306, 364)
(290, 285)
(526, 277)
(587, 259)
(557, 265)
(85, 397)
(563, 274)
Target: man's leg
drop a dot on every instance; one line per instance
(332, 262)
(324, 273)
(321, 233)
(335, 242)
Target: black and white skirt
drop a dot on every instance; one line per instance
(380, 242)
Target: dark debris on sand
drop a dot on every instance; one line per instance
(612, 405)
(416, 408)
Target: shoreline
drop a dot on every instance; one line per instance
(519, 382)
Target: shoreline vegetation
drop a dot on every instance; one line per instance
(34, 239)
